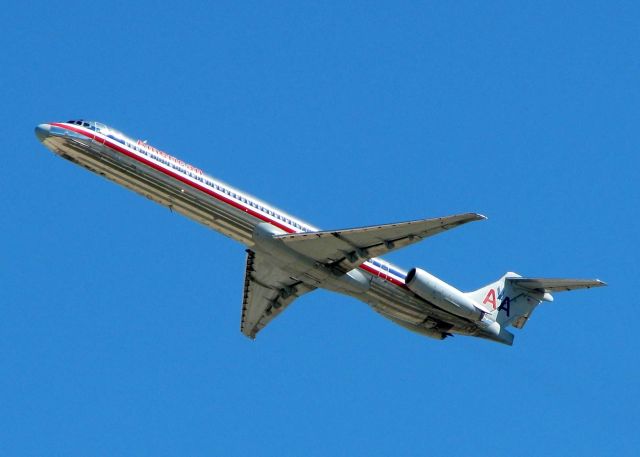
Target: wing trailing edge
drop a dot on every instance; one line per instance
(266, 293)
(348, 248)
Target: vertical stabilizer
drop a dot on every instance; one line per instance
(506, 304)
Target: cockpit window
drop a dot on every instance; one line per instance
(85, 124)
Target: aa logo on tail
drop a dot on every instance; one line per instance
(491, 299)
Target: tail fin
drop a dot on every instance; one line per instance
(510, 300)
(500, 301)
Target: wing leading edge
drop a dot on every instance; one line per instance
(555, 285)
(347, 249)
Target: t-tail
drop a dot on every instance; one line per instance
(511, 300)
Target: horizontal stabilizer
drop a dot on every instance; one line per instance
(348, 248)
(555, 285)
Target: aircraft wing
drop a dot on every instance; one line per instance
(347, 249)
(267, 292)
(555, 285)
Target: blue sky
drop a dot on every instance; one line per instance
(119, 322)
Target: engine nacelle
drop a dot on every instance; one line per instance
(442, 295)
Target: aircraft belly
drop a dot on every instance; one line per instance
(158, 187)
(404, 308)
(385, 302)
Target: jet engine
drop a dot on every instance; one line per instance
(442, 295)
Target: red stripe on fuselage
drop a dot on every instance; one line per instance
(115, 146)
(233, 203)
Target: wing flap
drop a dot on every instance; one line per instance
(351, 247)
(267, 292)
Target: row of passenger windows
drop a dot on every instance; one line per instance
(255, 205)
(217, 187)
(224, 190)
(385, 267)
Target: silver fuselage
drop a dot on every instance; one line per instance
(187, 190)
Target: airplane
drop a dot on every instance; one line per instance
(288, 258)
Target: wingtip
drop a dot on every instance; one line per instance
(477, 217)
(468, 217)
(596, 283)
(462, 218)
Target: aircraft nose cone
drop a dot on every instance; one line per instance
(42, 131)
